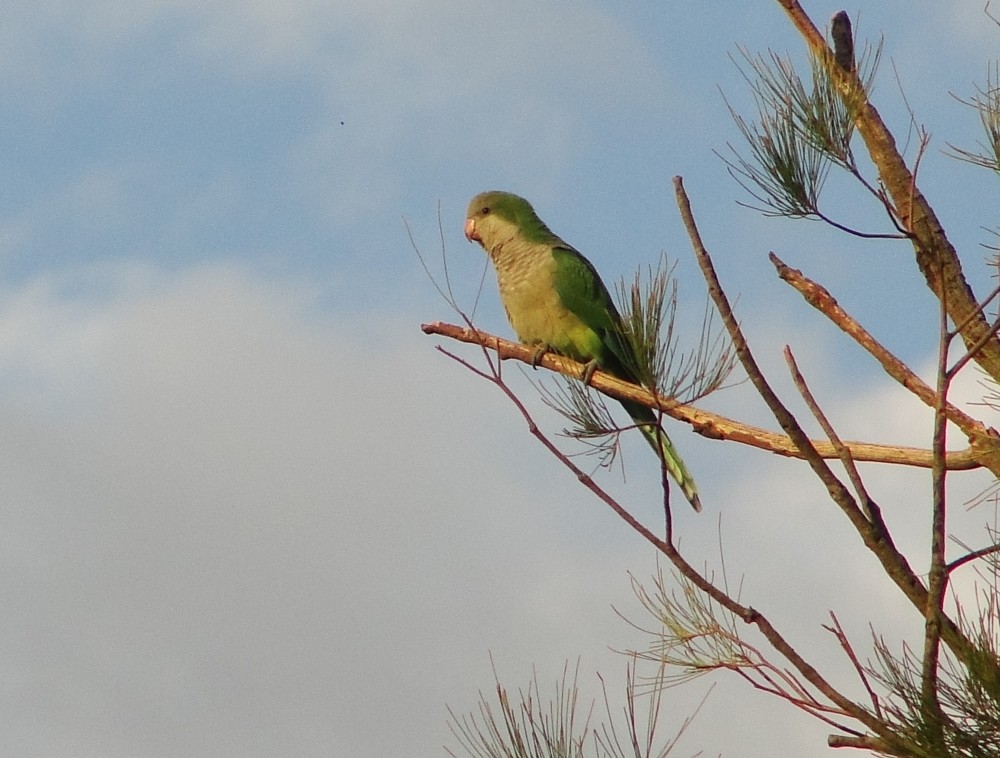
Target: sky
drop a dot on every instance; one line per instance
(250, 510)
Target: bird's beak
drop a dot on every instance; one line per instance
(470, 230)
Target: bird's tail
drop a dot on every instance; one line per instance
(645, 419)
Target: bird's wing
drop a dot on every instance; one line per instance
(581, 290)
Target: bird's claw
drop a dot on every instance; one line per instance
(537, 356)
(588, 372)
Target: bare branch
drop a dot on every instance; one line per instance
(985, 441)
(845, 644)
(937, 576)
(747, 614)
(973, 556)
(893, 561)
(843, 452)
(861, 743)
(710, 425)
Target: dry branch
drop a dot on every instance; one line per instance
(875, 537)
(747, 614)
(820, 298)
(705, 423)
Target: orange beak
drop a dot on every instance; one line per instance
(470, 230)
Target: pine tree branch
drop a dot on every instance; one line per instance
(880, 544)
(936, 257)
(710, 425)
(747, 614)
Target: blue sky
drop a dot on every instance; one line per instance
(251, 511)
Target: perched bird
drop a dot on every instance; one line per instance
(556, 301)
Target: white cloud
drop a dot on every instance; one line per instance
(245, 525)
(259, 530)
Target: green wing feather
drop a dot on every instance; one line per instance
(581, 290)
(584, 294)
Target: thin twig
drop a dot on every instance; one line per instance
(843, 452)
(937, 576)
(845, 644)
(970, 354)
(974, 555)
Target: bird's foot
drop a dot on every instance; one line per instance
(588, 371)
(540, 350)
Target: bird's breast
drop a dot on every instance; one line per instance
(534, 308)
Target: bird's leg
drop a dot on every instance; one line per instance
(540, 350)
(588, 371)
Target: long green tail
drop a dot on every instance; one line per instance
(660, 442)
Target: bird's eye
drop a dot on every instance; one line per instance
(486, 210)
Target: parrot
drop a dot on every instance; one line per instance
(555, 300)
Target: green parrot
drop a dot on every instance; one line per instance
(555, 300)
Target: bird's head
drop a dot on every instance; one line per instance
(495, 216)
